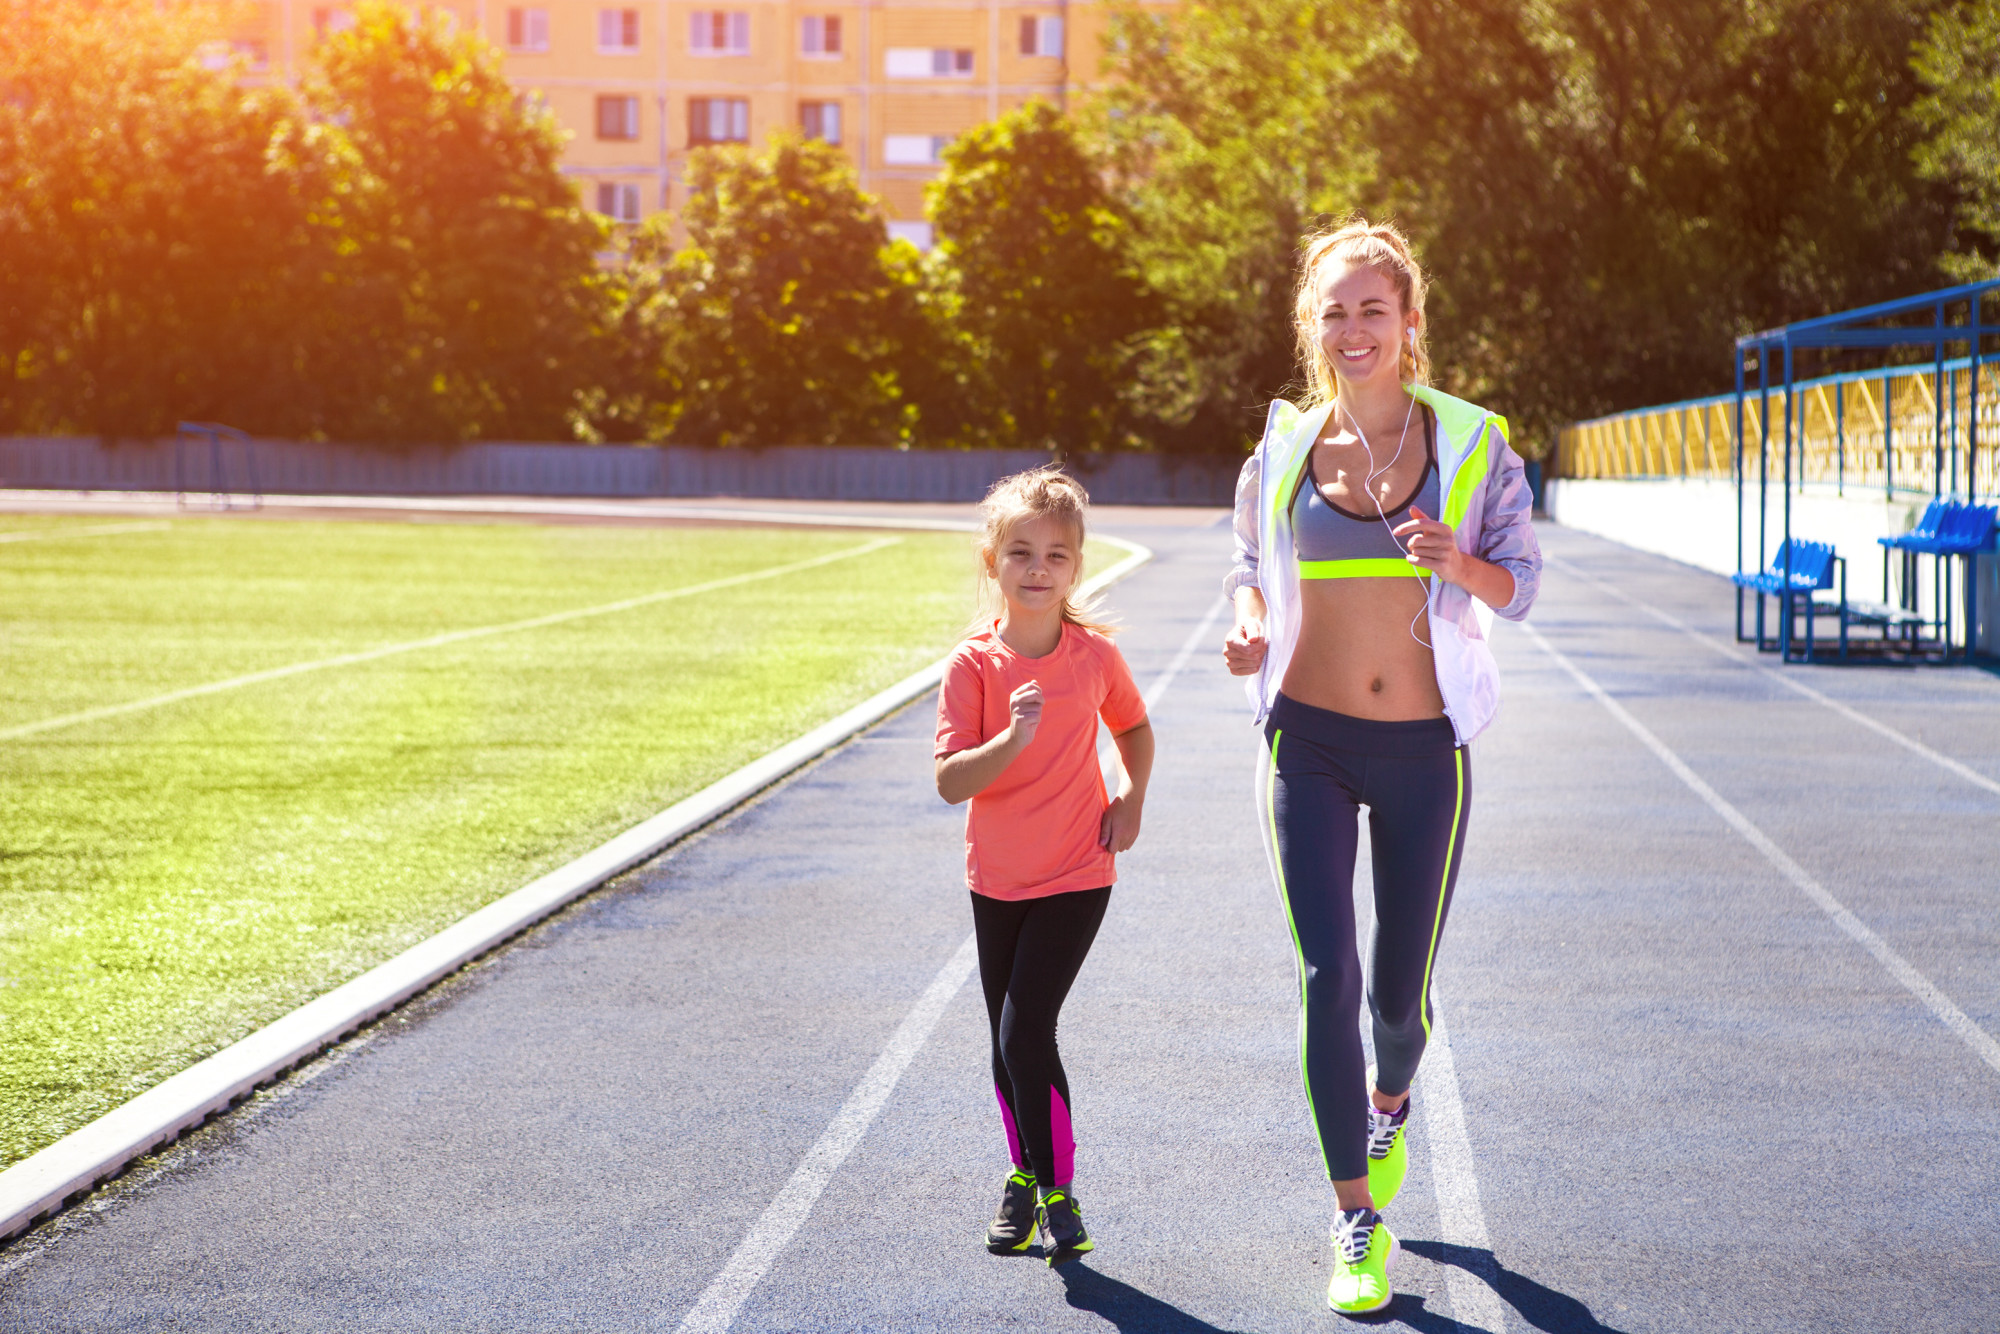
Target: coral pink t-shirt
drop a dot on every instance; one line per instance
(1033, 832)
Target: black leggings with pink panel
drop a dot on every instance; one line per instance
(1030, 951)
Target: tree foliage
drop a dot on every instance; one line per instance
(1040, 310)
(149, 252)
(1611, 191)
(390, 254)
(1235, 125)
(782, 320)
(468, 278)
(1958, 61)
(1605, 191)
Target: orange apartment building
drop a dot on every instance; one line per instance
(640, 84)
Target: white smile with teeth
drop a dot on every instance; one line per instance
(1355, 353)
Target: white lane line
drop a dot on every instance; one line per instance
(725, 1295)
(717, 1307)
(1909, 743)
(1108, 750)
(1461, 1221)
(434, 641)
(1186, 654)
(1953, 1018)
(95, 530)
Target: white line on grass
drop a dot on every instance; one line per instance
(636, 508)
(1461, 1220)
(717, 1307)
(1909, 743)
(95, 530)
(1955, 1019)
(434, 641)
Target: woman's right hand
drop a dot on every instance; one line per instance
(1246, 646)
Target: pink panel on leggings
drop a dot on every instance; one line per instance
(1013, 1134)
(1063, 1138)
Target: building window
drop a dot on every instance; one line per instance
(527, 30)
(927, 62)
(331, 20)
(254, 52)
(1042, 37)
(618, 118)
(819, 34)
(620, 203)
(820, 120)
(917, 234)
(617, 31)
(914, 150)
(718, 32)
(718, 120)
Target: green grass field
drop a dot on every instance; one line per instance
(174, 876)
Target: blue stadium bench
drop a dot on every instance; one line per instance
(1815, 567)
(1948, 528)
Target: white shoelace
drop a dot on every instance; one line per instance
(1382, 1128)
(1352, 1231)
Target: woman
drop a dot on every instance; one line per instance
(1375, 527)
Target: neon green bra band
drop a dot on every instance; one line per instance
(1384, 567)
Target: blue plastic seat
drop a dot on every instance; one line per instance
(1812, 569)
(1925, 532)
(1814, 566)
(1948, 528)
(1966, 530)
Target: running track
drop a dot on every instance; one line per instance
(1687, 1095)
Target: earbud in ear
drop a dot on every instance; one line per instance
(1413, 337)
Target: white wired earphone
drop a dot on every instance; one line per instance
(1369, 486)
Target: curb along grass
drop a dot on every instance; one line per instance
(61, 1174)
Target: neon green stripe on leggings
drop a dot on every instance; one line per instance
(1285, 901)
(1437, 920)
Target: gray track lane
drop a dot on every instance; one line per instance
(1669, 1056)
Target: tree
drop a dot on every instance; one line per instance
(1609, 192)
(1034, 279)
(781, 321)
(470, 288)
(1958, 61)
(1605, 191)
(158, 226)
(1234, 127)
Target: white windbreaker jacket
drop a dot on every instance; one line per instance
(1487, 503)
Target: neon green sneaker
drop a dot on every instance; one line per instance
(1363, 1250)
(1013, 1227)
(1388, 1154)
(1063, 1234)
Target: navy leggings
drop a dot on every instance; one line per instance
(1030, 951)
(1415, 779)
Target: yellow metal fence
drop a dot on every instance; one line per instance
(1879, 429)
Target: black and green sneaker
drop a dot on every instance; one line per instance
(1013, 1228)
(1063, 1237)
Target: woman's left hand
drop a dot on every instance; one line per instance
(1431, 546)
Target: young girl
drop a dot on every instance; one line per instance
(1375, 528)
(1017, 732)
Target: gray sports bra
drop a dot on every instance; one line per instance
(1333, 543)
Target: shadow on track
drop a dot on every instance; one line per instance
(1542, 1307)
(1132, 1311)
